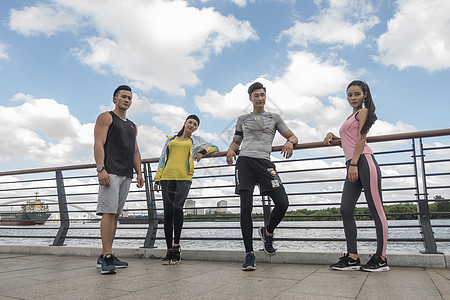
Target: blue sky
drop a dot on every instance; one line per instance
(60, 61)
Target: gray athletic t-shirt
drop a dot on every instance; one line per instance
(257, 131)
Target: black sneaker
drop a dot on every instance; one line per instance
(376, 264)
(119, 263)
(166, 260)
(108, 266)
(99, 261)
(346, 263)
(249, 262)
(176, 255)
(267, 241)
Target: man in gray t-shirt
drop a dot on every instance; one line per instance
(259, 131)
(256, 132)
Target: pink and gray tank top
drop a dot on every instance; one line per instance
(349, 133)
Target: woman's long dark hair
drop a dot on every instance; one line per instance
(368, 103)
(180, 133)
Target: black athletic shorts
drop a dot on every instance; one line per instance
(251, 171)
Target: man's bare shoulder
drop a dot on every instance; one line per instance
(104, 118)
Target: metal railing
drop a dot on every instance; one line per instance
(313, 179)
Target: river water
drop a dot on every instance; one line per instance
(232, 230)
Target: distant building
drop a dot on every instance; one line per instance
(222, 207)
(190, 207)
(211, 211)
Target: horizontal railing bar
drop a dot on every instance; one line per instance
(436, 148)
(438, 174)
(312, 145)
(436, 161)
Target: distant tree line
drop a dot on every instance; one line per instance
(440, 209)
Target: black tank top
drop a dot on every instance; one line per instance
(119, 147)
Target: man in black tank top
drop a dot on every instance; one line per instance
(116, 153)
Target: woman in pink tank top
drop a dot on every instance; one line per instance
(363, 172)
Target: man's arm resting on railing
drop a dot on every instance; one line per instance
(231, 153)
(288, 148)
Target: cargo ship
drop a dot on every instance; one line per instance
(34, 212)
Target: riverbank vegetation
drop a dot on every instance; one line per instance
(440, 209)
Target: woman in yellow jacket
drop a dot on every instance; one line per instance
(174, 178)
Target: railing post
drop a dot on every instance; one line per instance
(150, 238)
(266, 209)
(63, 211)
(427, 233)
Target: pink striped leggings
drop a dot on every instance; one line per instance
(369, 179)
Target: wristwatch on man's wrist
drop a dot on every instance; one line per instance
(100, 168)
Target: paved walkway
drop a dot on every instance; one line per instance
(25, 276)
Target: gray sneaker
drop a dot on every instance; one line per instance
(117, 262)
(108, 266)
(267, 241)
(249, 262)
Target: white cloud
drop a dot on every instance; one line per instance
(139, 106)
(240, 3)
(308, 75)
(150, 141)
(30, 114)
(44, 131)
(171, 116)
(418, 35)
(293, 95)
(42, 19)
(145, 46)
(3, 53)
(338, 22)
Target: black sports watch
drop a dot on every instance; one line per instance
(100, 168)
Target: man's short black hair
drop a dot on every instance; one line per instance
(120, 88)
(255, 86)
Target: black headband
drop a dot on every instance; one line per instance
(193, 117)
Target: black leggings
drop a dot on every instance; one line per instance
(370, 179)
(174, 193)
(281, 202)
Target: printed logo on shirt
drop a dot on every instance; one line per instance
(272, 171)
(275, 183)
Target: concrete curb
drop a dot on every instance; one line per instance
(398, 259)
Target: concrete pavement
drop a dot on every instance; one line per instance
(51, 276)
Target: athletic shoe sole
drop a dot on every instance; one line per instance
(178, 261)
(263, 239)
(249, 268)
(349, 268)
(99, 266)
(381, 269)
(111, 271)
